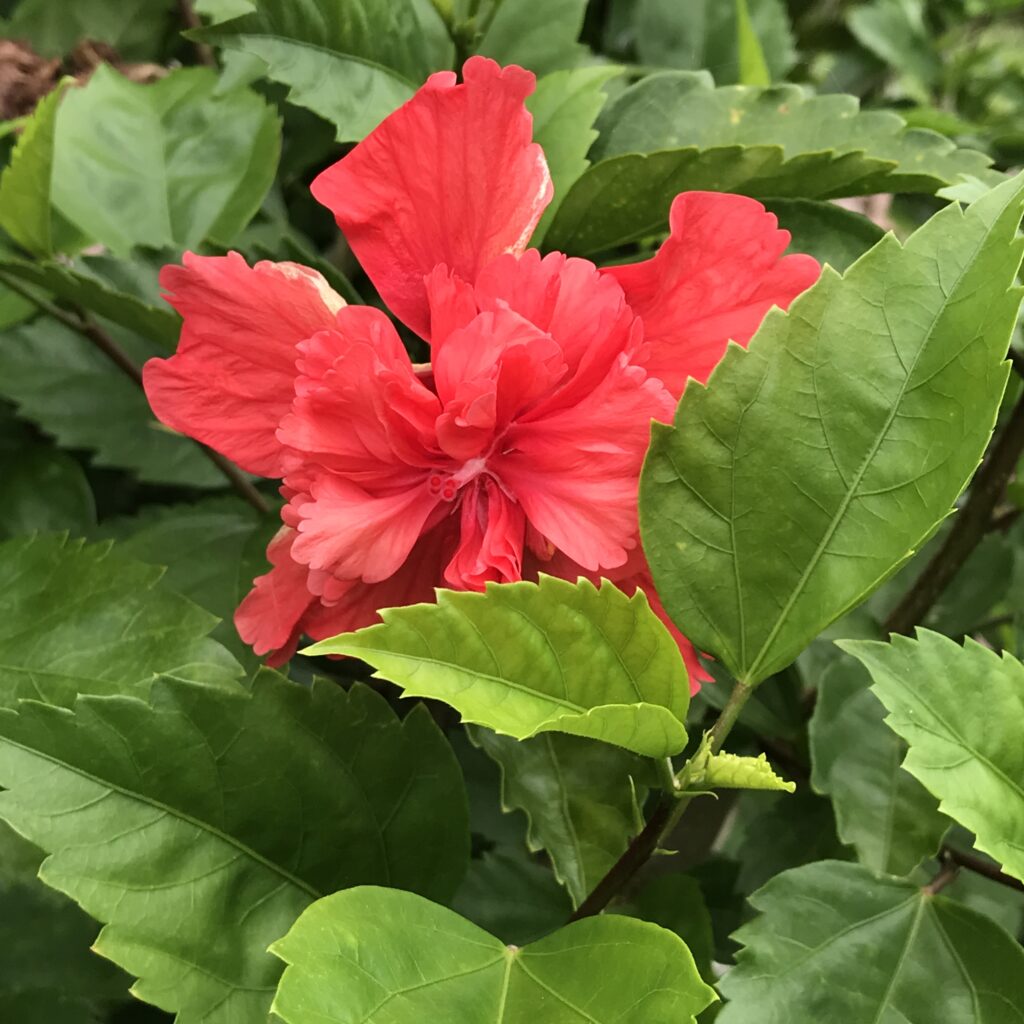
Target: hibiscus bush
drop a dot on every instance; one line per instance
(457, 453)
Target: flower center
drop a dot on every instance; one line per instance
(447, 485)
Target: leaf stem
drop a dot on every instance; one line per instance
(969, 527)
(79, 322)
(663, 820)
(947, 873)
(974, 863)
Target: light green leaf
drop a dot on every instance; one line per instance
(73, 392)
(527, 658)
(77, 618)
(863, 447)
(675, 132)
(731, 771)
(891, 820)
(580, 797)
(44, 489)
(212, 550)
(226, 814)
(825, 231)
(960, 709)
(536, 34)
(167, 164)
(25, 207)
(834, 942)
(377, 956)
(352, 63)
(79, 285)
(753, 67)
(698, 34)
(564, 107)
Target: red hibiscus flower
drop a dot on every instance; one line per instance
(518, 450)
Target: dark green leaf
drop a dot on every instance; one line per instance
(836, 943)
(864, 447)
(537, 34)
(352, 63)
(212, 550)
(895, 31)
(527, 658)
(223, 815)
(167, 164)
(77, 618)
(677, 903)
(675, 132)
(825, 231)
(80, 286)
(512, 897)
(377, 956)
(74, 392)
(701, 34)
(44, 489)
(883, 812)
(580, 796)
(960, 709)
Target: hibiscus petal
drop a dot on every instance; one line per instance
(720, 270)
(451, 177)
(576, 471)
(269, 619)
(354, 534)
(491, 533)
(359, 409)
(232, 378)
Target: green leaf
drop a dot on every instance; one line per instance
(564, 107)
(731, 771)
(772, 832)
(825, 231)
(706, 34)
(527, 658)
(135, 28)
(675, 132)
(512, 897)
(580, 797)
(226, 814)
(77, 618)
(676, 902)
(212, 550)
(536, 34)
(752, 65)
(352, 63)
(891, 820)
(73, 392)
(162, 165)
(44, 489)
(960, 709)
(47, 972)
(82, 287)
(835, 942)
(370, 956)
(895, 31)
(864, 448)
(25, 210)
